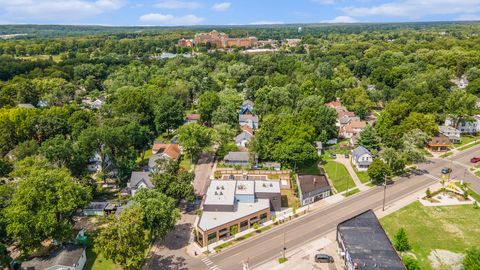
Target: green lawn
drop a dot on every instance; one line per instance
(453, 228)
(186, 163)
(363, 176)
(147, 154)
(351, 192)
(468, 146)
(309, 169)
(97, 262)
(338, 175)
(467, 139)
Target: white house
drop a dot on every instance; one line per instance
(361, 158)
(452, 133)
(70, 257)
(472, 126)
(139, 180)
(249, 120)
(242, 139)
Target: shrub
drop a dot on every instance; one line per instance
(428, 193)
(410, 263)
(471, 261)
(401, 241)
(233, 230)
(255, 226)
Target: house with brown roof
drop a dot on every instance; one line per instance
(163, 151)
(193, 118)
(439, 143)
(352, 128)
(247, 128)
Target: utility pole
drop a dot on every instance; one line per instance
(284, 248)
(384, 191)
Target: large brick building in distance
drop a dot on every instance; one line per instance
(218, 40)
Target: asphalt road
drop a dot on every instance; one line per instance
(203, 170)
(268, 245)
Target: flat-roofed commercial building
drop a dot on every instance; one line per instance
(236, 205)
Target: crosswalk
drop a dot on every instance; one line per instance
(210, 264)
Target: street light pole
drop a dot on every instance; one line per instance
(284, 248)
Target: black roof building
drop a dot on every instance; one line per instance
(366, 245)
(313, 187)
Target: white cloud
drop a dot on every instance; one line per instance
(416, 8)
(67, 10)
(324, 2)
(167, 19)
(266, 22)
(178, 5)
(221, 6)
(341, 19)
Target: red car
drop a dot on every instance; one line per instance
(475, 159)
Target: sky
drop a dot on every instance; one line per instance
(232, 12)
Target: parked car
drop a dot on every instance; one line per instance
(323, 258)
(475, 159)
(333, 155)
(347, 155)
(446, 170)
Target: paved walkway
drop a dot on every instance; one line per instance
(346, 162)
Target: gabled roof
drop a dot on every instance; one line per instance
(310, 182)
(246, 117)
(359, 151)
(140, 177)
(247, 129)
(334, 104)
(193, 117)
(244, 136)
(439, 139)
(243, 156)
(171, 150)
(247, 103)
(350, 127)
(66, 257)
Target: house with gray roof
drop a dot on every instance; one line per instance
(70, 257)
(139, 180)
(312, 188)
(249, 120)
(452, 133)
(237, 159)
(361, 158)
(242, 139)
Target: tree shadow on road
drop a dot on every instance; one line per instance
(159, 262)
(179, 237)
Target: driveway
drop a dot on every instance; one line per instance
(170, 254)
(346, 162)
(203, 172)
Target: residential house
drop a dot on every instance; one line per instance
(365, 245)
(452, 133)
(95, 163)
(352, 128)
(70, 257)
(98, 102)
(461, 82)
(237, 159)
(249, 120)
(98, 209)
(472, 126)
(247, 107)
(193, 118)
(163, 151)
(361, 158)
(242, 139)
(312, 188)
(247, 129)
(236, 204)
(319, 147)
(139, 180)
(439, 143)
